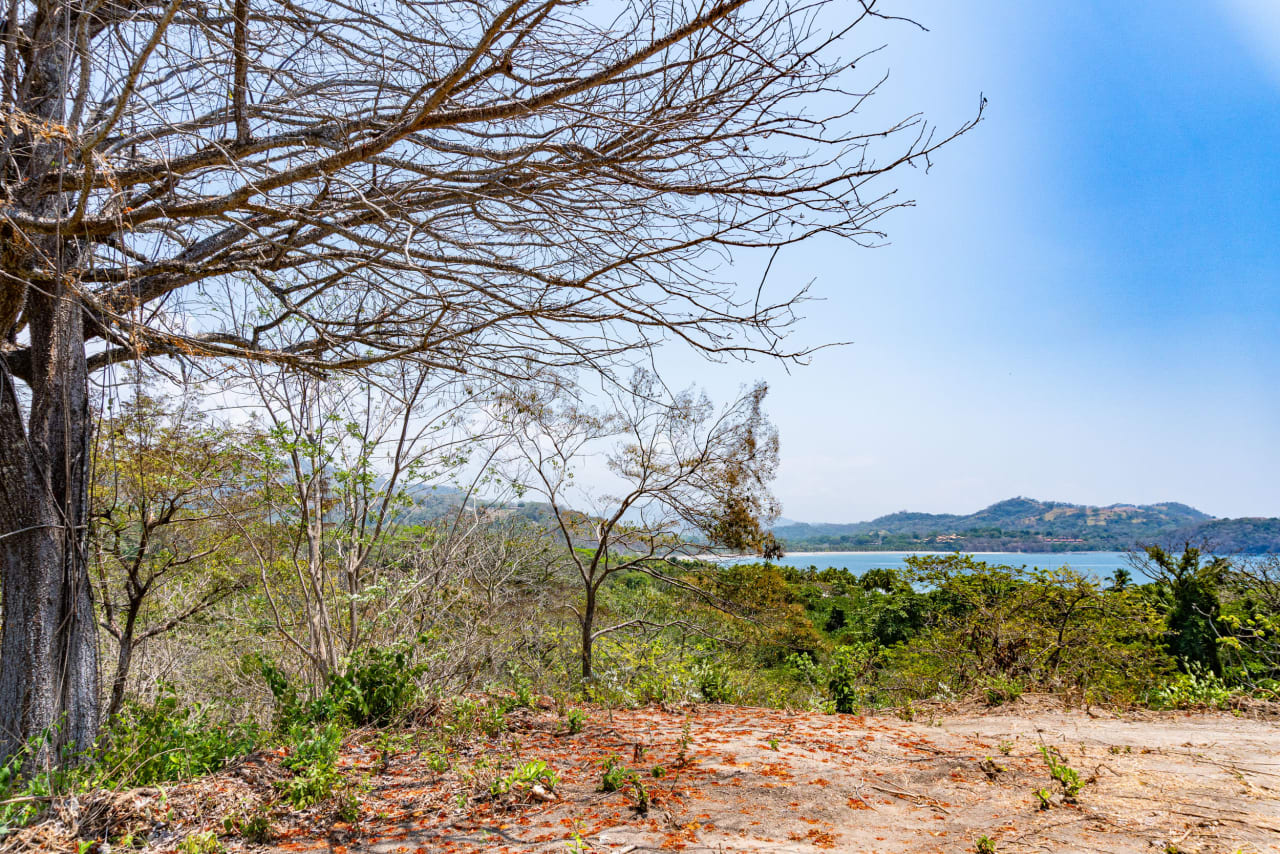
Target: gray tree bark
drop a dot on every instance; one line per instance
(48, 648)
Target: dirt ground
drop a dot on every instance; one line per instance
(740, 779)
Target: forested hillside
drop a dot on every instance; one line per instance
(1024, 524)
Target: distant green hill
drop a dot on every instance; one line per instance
(1233, 536)
(1024, 524)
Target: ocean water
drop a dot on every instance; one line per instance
(1095, 564)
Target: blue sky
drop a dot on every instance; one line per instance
(1084, 305)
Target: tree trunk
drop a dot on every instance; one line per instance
(588, 625)
(124, 659)
(48, 644)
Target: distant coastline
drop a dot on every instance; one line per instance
(1026, 525)
(1098, 564)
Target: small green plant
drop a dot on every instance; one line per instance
(1045, 798)
(1000, 690)
(682, 756)
(202, 842)
(523, 778)
(494, 721)
(851, 667)
(616, 775)
(713, 683)
(658, 772)
(642, 794)
(576, 843)
(350, 797)
(985, 845)
(1005, 747)
(576, 719)
(253, 827)
(1060, 771)
(348, 806)
(438, 762)
(1199, 687)
(773, 743)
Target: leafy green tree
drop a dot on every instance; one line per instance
(1052, 630)
(1120, 579)
(1251, 613)
(1190, 587)
(340, 462)
(169, 494)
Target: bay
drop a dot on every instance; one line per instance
(1094, 564)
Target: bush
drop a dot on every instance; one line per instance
(713, 683)
(616, 775)
(144, 745)
(632, 671)
(1198, 687)
(23, 798)
(852, 670)
(999, 690)
(1003, 630)
(376, 685)
(163, 741)
(522, 779)
(313, 758)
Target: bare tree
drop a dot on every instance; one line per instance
(686, 472)
(342, 462)
(486, 188)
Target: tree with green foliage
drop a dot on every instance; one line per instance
(339, 464)
(1251, 615)
(1012, 628)
(1189, 586)
(170, 492)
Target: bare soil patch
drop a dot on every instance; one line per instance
(745, 779)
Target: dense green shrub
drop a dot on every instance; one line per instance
(713, 682)
(1003, 630)
(23, 796)
(145, 744)
(376, 685)
(312, 757)
(1189, 590)
(852, 671)
(164, 741)
(1198, 687)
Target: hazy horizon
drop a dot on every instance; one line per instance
(786, 517)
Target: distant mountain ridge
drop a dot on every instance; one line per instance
(1025, 524)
